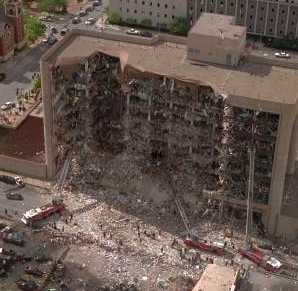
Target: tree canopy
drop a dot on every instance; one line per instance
(179, 26)
(53, 5)
(33, 28)
(146, 23)
(114, 17)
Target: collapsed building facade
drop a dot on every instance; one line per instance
(111, 95)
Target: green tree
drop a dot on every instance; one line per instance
(146, 23)
(33, 28)
(53, 5)
(36, 84)
(114, 17)
(131, 21)
(179, 26)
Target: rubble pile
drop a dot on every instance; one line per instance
(128, 244)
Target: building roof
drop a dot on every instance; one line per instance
(210, 24)
(216, 278)
(258, 83)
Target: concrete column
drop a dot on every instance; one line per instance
(47, 95)
(149, 109)
(282, 148)
(128, 102)
(256, 17)
(293, 149)
(277, 19)
(266, 19)
(288, 18)
(246, 12)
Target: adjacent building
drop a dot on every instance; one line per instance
(261, 17)
(12, 34)
(159, 13)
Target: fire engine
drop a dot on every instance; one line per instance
(37, 214)
(270, 264)
(217, 247)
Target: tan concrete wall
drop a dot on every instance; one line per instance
(293, 155)
(23, 167)
(173, 38)
(47, 96)
(213, 49)
(280, 164)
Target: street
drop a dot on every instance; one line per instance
(20, 68)
(32, 198)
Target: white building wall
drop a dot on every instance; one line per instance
(160, 12)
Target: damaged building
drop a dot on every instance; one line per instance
(193, 121)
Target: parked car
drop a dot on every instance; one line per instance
(41, 257)
(33, 271)
(133, 31)
(47, 18)
(64, 31)
(27, 285)
(54, 30)
(14, 196)
(96, 3)
(2, 76)
(82, 13)
(76, 20)
(90, 21)
(16, 180)
(10, 236)
(52, 40)
(8, 105)
(283, 55)
(89, 8)
(2, 273)
(146, 34)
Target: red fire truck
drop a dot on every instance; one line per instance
(217, 247)
(37, 214)
(270, 264)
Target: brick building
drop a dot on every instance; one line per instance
(12, 34)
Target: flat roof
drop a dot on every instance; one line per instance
(218, 25)
(216, 278)
(258, 82)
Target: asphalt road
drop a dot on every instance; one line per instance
(33, 197)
